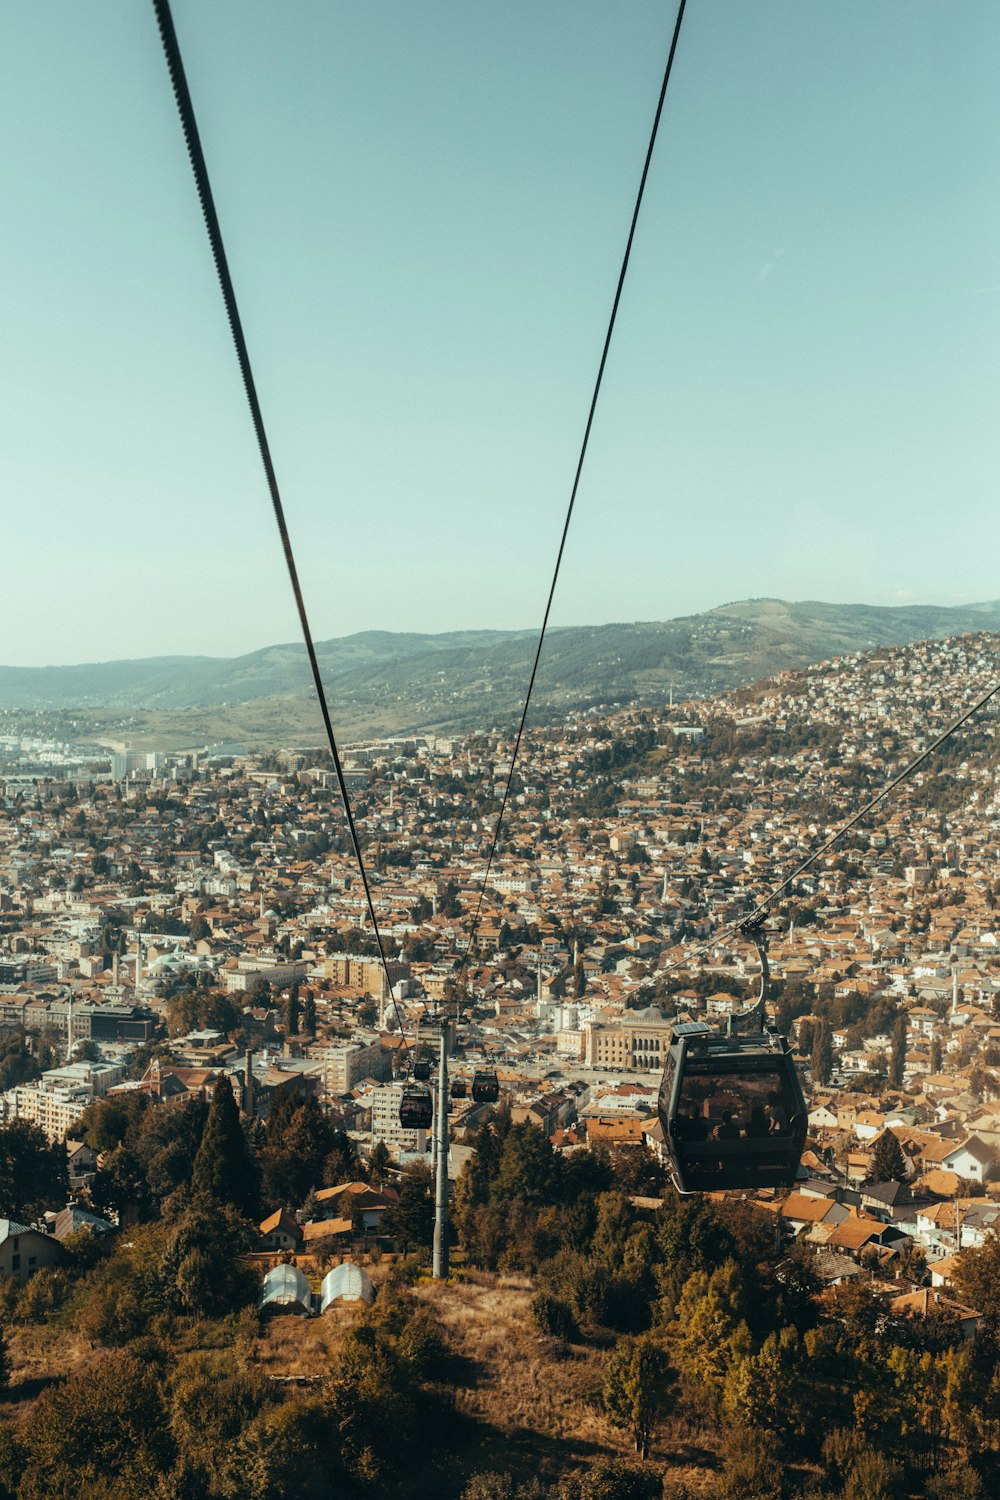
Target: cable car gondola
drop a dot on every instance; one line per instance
(416, 1108)
(732, 1110)
(459, 1088)
(422, 1070)
(485, 1086)
(731, 1105)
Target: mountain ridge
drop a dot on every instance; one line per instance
(478, 677)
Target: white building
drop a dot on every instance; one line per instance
(385, 1123)
(346, 1063)
(60, 1096)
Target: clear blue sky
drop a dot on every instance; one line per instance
(425, 206)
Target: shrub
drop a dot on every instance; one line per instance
(46, 1291)
(613, 1479)
(554, 1316)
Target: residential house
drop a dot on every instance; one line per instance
(23, 1250)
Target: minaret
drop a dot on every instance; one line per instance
(138, 960)
(954, 989)
(69, 1027)
(663, 893)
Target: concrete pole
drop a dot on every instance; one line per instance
(440, 1265)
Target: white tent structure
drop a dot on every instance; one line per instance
(346, 1283)
(286, 1289)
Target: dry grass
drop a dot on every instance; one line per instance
(39, 1355)
(515, 1383)
(540, 1410)
(289, 1346)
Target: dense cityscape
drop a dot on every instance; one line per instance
(203, 1059)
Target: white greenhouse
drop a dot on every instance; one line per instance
(346, 1283)
(286, 1289)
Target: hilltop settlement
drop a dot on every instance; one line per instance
(183, 936)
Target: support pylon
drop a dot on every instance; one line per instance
(440, 1263)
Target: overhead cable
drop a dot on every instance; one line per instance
(576, 477)
(185, 109)
(761, 909)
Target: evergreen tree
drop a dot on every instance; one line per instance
(897, 1056)
(529, 1168)
(32, 1172)
(821, 1059)
(309, 1016)
(378, 1163)
(411, 1220)
(292, 1012)
(935, 1054)
(224, 1167)
(888, 1161)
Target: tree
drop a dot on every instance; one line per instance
(935, 1054)
(977, 1280)
(378, 1163)
(341, 1161)
(32, 1172)
(309, 1016)
(751, 1470)
(299, 1138)
(411, 1220)
(712, 1328)
(199, 1270)
(101, 1431)
(897, 1054)
(121, 1188)
(821, 1059)
(223, 1167)
(637, 1380)
(765, 1391)
(292, 1012)
(198, 929)
(888, 1164)
(529, 1168)
(111, 1122)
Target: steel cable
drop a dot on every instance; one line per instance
(199, 167)
(576, 481)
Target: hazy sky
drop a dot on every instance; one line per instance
(424, 204)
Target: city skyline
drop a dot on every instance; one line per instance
(424, 215)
